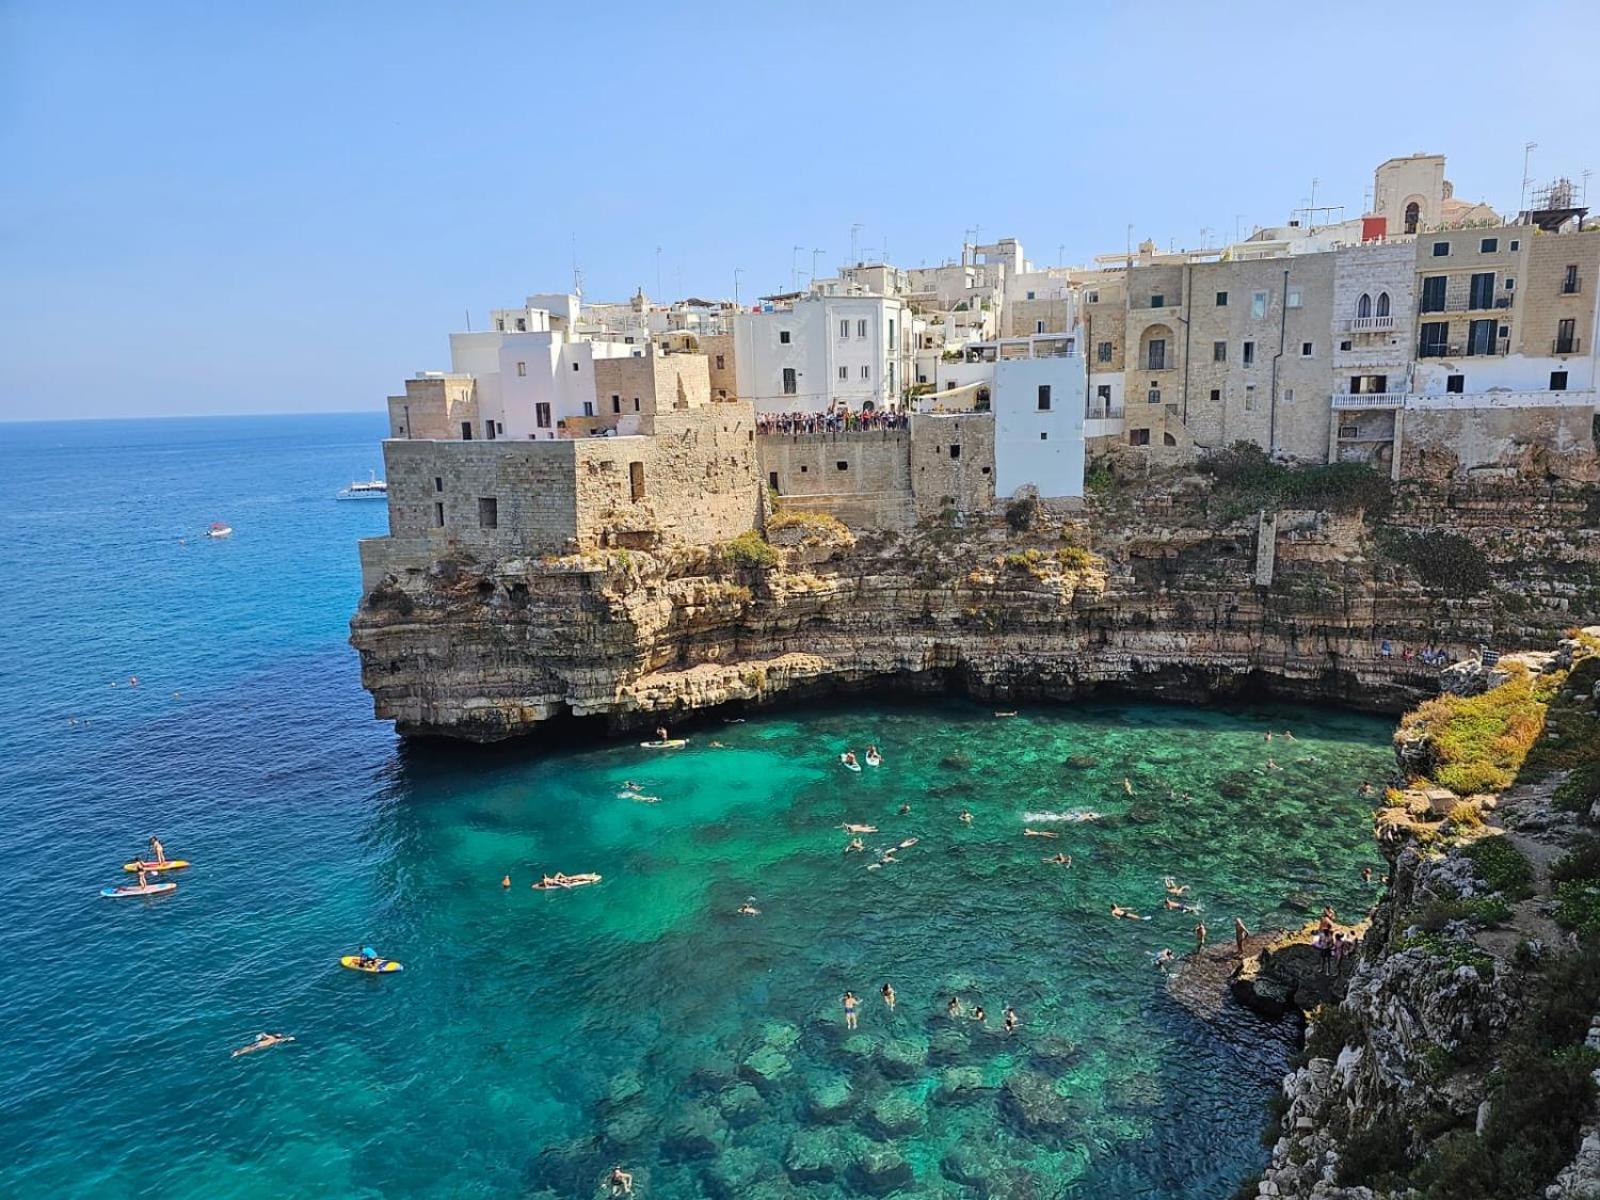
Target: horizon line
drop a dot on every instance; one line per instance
(340, 412)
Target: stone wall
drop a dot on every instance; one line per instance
(1541, 303)
(649, 383)
(952, 462)
(1555, 441)
(1023, 317)
(720, 367)
(863, 477)
(435, 406)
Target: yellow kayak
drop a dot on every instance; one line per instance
(382, 967)
(172, 864)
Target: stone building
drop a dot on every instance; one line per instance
(1374, 307)
(435, 405)
(721, 372)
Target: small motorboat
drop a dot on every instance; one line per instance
(218, 530)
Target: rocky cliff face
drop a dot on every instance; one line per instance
(1461, 1064)
(1187, 593)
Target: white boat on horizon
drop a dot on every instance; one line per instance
(372, 488)
(219, 530)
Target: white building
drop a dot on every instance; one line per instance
(530, 370)
(822, 352)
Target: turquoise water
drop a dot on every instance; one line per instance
(537, 1037)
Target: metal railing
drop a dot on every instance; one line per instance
(1568, 345)
(1571, 287)
(1470, 304)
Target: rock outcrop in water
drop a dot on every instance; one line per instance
(1463, 1060)
(1186, 591)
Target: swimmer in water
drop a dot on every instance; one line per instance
(905, 810)
(979, 1015)
(1125, 913)
(1170, 904)
(718, 746)
(1011, 1021)
(262, 1042)
(953, 1009)
(620, 1182)
(1164, 959)
(1366, 874)
(855, 844)
(1172, 887)
(966, 817)
(1044, 833)
(747, 909)
(1061, 860)
(849, 1001)
(887, 992)
(505, 881)
(1272, 766)
(1127, 785)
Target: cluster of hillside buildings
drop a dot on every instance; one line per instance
(1428, 328)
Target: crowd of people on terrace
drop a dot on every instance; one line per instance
(842, 421)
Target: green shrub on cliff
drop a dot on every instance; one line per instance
(748, 551)
(1247, 478)
(1502, 867)
(1479, 742)
(1332, 1028)
(1446, 561)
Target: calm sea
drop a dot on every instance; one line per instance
(536, 1038)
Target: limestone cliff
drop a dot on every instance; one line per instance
(1192, 587)
(1461, 1063)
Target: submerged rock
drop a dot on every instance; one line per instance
(958, 1084)
(948, 1045)
(813, 1156)
(735, 1171)
(830, 1098)
(895, 1115)
(1035, 1104)
(903, 1057)
(765, 1067)
(740, 1104)
(878, 1170)
(695, 1131)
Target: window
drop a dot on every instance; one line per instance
(636, 480)
(488, 512)
(1044, 436)
(438, 513)
(1488, 245)
(1383, 304)
(842, 465)
(721, 363)
(772, 480)
(1249, 355)
(1433, 294)
(861, 329)
(574, 366)
(1157, 300)
(1515, 244)
(500, 426)
(1216, 395)
(541, 415)
(1044, 397)
(1222, 299)
(955, 451)
(722, 393)
(783, 337)
(438, 483)
(1219, 351)
(1364, 307)
(1138, 437)
(636, 404)
(1455, 383)
(1569, 280)
(1510, 284)
(1094, 297)
(588, 408)
(1481, 293)
(891, 330)
(844, 373)
(466, 431)
(488, 430)
(866, 372)
(1258, 305)
(1345, 345)
(788, 381)
(1030, 295)
(1349, 431)
(1103, 352)
(1294, 298)
(1156, 354)
(1435, 341)
(522, 324)
(1413, 216)
(1038, 326)
(500, 325)
(1103, 392)
(1153, 396)
(1558, 381)
(844, 329)
(1480, 337)
(1441, 249)
(1307, 349)
(616, 404)
(1249, 397)
(1566, 341)
(522, 368)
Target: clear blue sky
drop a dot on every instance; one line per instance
(269, 207)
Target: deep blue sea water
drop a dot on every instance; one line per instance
(535, 1038)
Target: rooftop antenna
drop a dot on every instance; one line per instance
(1583, 197)
(1205, 237)
(1238, 224)
(469, 320)
(658, 270)
(577, 275)
(1130, 246)
(1311, 206)
(814, 254)
(855, 252)
(1061, 253)
(737, 271)
(794, 268)
(1527, 153)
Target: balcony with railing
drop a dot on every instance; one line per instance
(1368, 324)
(1566, 345)
(1347, 401)
(1465, 304)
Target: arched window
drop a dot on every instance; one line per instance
(1364, 306)
(1413, 215)
(1383, 304)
